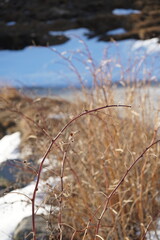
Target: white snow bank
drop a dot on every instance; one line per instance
(9, 145)
(122, 11)
(150, 45)
(116, 31)
(15, 206)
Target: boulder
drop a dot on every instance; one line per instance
(14, 174)
(24, 229)
(44, 229)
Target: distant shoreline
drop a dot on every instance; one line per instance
(59, 91)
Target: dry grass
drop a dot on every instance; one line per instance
(93, 155)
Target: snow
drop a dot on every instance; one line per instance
(150, 45)
(11, 23)
(56, 33)
(116, 31)
(13, 208)
(43, 66)
(154, 235)
(122, 11)
(58, 116)
(9, 147)
(16, 205)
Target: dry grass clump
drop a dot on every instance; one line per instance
(97, 151)
(93, 154)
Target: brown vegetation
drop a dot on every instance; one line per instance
(93, 155)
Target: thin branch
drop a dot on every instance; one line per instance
(53, 141)
(146, 230)
(62, 190)
(119, 184)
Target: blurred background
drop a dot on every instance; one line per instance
(53, 22)
(23, 23)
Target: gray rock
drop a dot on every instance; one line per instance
(9, 170)
(14, 174)
(45, 230)
(24, 229)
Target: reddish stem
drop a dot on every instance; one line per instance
(53, 141)
(119, 183)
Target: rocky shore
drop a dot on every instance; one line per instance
(30, 22)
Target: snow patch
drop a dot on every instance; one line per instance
(16, 205)
(56, 33)
(154, 235)
(122, 11)
(116, 31)
(150, 45)
(11, 23)
(9, 147)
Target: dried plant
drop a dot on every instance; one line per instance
(107, 160)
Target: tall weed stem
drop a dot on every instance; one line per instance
(53, 141)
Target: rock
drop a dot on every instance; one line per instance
(22, 35)
(14, 174)
(43, 229)
(30, 23)
(24, 229)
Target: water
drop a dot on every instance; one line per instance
(79, 61)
